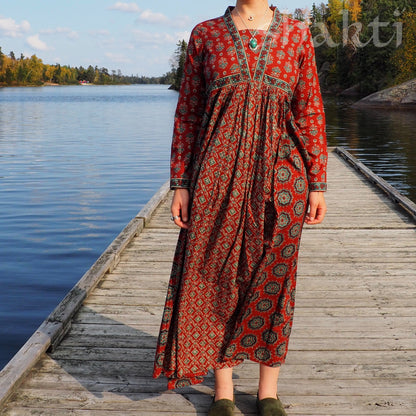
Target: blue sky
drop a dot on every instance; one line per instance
(136, 37)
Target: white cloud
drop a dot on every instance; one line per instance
(36, 43)
(117, 57)
(125, 7)
(148, 16)
(152, 39)
(151, 17)
(10, 28)
(69, 33)
(180, 22)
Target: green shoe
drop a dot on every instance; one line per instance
(270, 407)
(223, 407)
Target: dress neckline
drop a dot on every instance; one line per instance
(272, 21)
(241, 50)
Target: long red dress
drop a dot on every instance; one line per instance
(249, 142)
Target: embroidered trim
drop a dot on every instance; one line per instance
(317, 186)
(264, 54)
(222, 82)
(180, 183)
(278, 83)
(237, 78)
(241, 53)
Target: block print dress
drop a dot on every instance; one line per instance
(249, 144)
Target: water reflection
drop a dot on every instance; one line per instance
(382, 138)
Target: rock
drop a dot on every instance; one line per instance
(399, 96)
(352, 91)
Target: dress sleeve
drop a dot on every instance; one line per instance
(308, 111)
(188, 115)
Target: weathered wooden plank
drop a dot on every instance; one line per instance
(154, 299)
(360, 387)
(374, 292)
(302, 359)
(157, 199)
(340, 343)
(306, 286)
(389, 190)
(190, 402)
(131, 315)
(370, 327)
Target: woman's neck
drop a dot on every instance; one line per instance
(252, 7)
(252, 14)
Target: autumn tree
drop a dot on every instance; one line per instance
(404, 59)
(50, 72)
(354, 7)
(35, 69)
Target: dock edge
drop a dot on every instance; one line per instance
(402, 202)
(51, 332)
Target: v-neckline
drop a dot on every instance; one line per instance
(241, 50)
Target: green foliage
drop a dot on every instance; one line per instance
(362, 47)
(32, 71)
(375, 70)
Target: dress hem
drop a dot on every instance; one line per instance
(174, 383)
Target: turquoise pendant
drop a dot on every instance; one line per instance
(253, 44)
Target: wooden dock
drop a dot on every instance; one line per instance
(353, 345)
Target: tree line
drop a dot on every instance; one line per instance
(365, 44)
(27, 71)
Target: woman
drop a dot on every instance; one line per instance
(248, 159)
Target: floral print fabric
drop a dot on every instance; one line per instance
(249, 143)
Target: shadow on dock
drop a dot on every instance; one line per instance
(102, 357)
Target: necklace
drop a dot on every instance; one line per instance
(252, 44)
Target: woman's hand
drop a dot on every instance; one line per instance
(180, 207)
(317, 208)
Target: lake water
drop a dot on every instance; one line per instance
(77, 163)
(384, 140)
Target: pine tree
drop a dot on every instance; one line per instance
(178, 64)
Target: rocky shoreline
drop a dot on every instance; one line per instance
(400, 96)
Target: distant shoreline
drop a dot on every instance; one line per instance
(52, 84)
